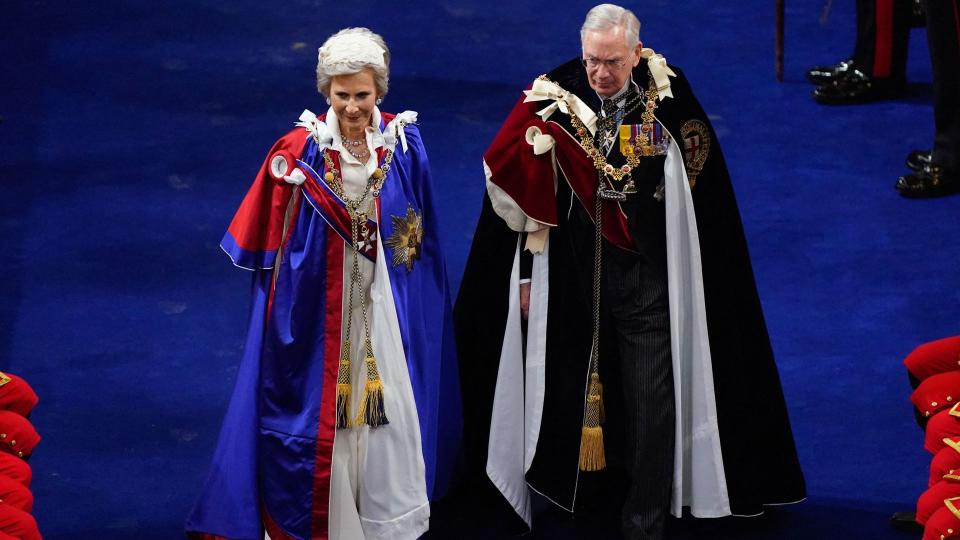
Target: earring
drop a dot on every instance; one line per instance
(328, 101)
(379, 100)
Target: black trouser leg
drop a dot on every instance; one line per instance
(883, 32)
(635, 297)
(943, 26)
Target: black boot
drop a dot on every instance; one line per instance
(821, 75)
(918, 159)
(855, 86)
(931, 181)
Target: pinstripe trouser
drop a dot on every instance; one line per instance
(635, 303)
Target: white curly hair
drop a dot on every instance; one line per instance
(606, 16)
(350, 51)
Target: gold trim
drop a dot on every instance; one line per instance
(4, 378)
(953, 509)
(955, 410)
(951, 443)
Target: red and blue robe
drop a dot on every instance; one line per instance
(272, 465)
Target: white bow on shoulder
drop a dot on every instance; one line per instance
(394, 130)
(661, 72)
(318, 129)
(563, 100)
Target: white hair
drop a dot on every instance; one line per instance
(605, 16)
(333, 61)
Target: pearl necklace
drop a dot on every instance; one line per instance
(355, 149)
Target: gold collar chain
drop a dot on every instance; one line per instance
(633, 158)
(335, 180)
(372, 411)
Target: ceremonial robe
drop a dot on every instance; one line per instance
(524, 395)
(273, 461)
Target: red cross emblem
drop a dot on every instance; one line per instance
(691, 146)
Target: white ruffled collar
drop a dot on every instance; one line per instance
(373, 135)
(327, 133)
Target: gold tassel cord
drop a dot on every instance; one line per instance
(343, 387)
(592, 455)
(603, 409)
(372, 411)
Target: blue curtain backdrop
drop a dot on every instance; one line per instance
(129, 132)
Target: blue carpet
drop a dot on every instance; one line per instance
(130, 132)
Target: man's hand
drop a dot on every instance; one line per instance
(525, 300)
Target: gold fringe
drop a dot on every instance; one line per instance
(372, 411)
(343, 387)
(343, 403)
(592, 456)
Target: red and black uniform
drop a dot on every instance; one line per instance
(883, 32)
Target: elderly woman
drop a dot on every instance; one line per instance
(349, 369)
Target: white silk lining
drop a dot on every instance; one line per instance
(518, 397)
(699, 481)
(536, 351)
(506, 460)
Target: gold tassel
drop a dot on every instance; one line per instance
(372, 411)
(343, 388)
(592, 455)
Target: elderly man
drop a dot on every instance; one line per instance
(610, 225)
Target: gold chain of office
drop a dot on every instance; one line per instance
(643, 141)
(374, 183)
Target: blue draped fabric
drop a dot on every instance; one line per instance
(267, 448)
(292, 376)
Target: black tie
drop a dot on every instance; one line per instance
(608, 124)
(609, 107)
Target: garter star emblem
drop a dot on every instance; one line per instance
(406, 238)
(696, 146)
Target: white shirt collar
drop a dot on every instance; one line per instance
(623, 90)
(374, 138)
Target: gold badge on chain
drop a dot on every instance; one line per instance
(406, 238)
(696, 147)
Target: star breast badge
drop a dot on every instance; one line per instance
(406, 238)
